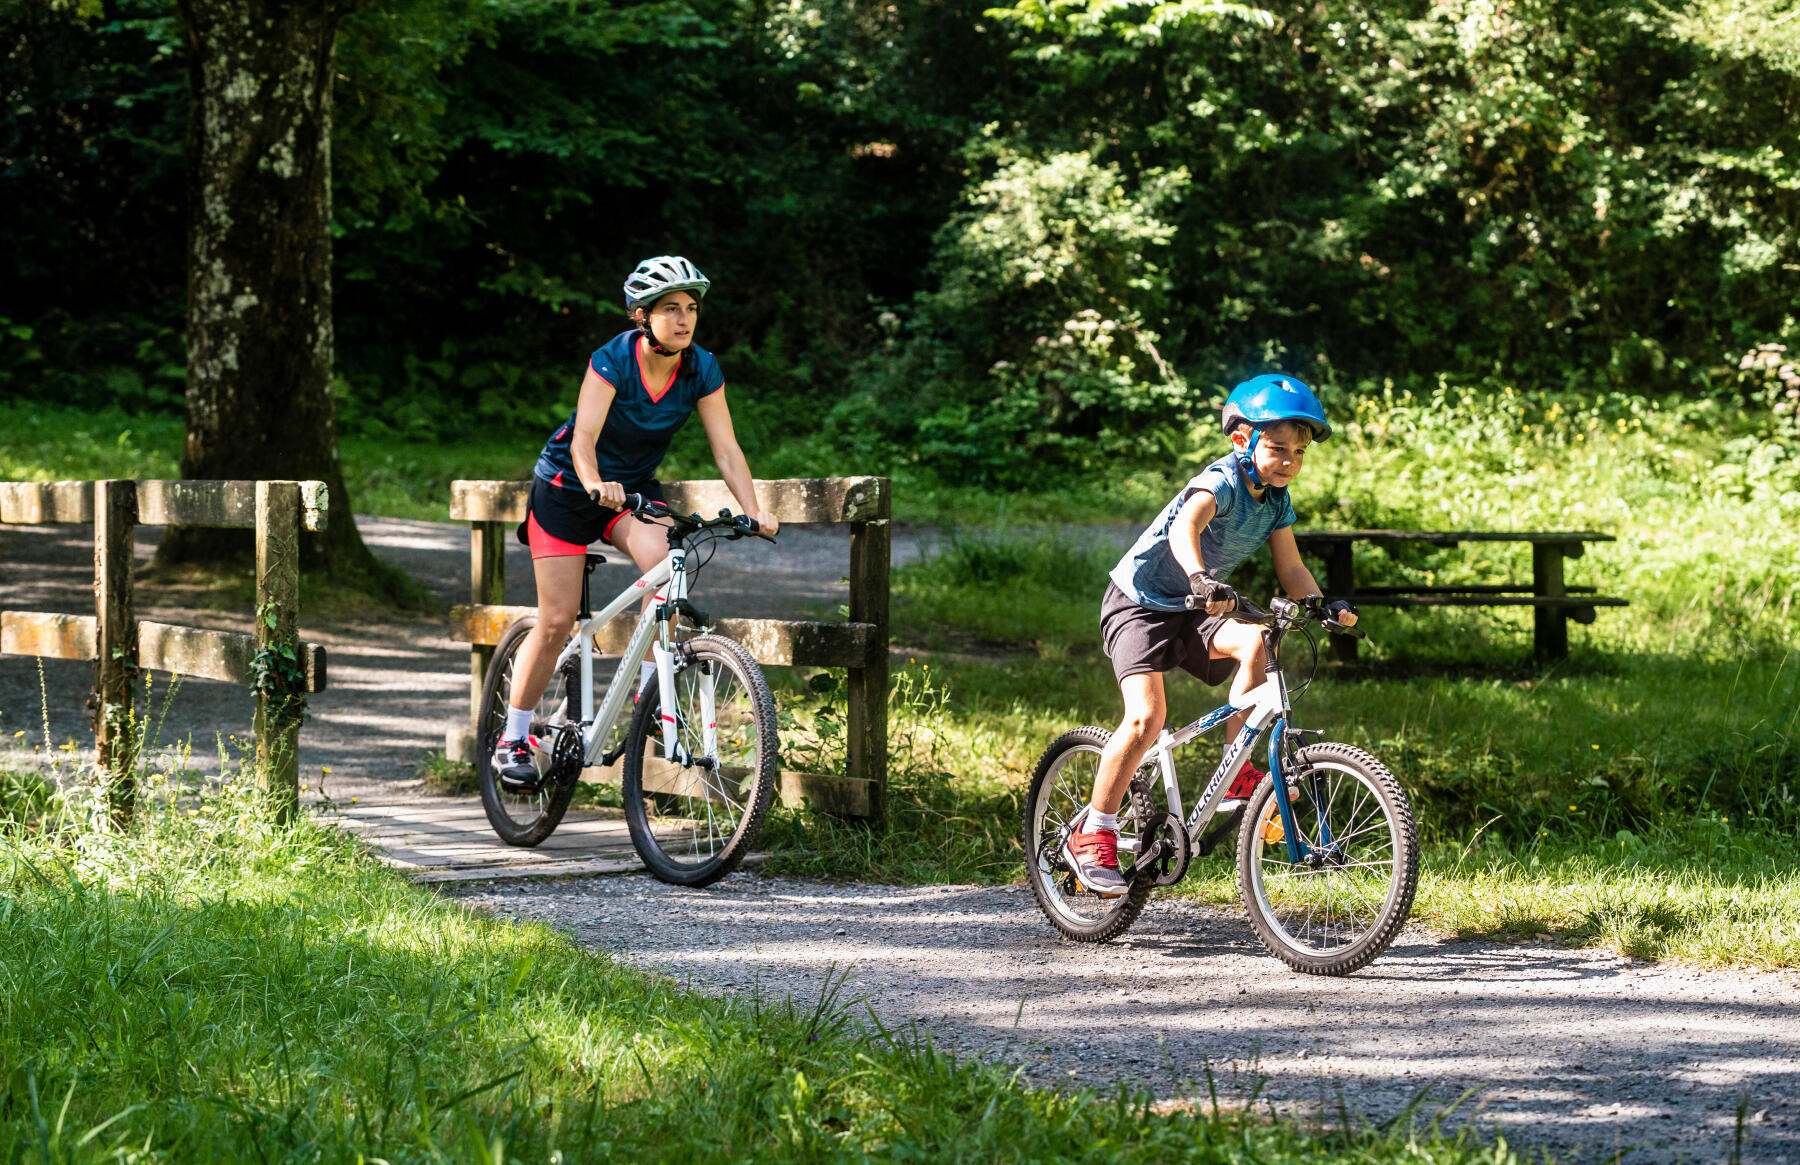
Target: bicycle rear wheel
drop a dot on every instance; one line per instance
(693, 816)
(1340, 906)
(523, 818)
(1059, 790)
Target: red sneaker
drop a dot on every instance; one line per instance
(1242, 786)
(1095, 859)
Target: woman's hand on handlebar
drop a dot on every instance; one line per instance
(609, 494)
(766, 523)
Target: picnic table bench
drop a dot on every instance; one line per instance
(1552, 600)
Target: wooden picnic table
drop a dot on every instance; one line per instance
(1552, 600)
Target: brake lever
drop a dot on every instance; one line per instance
(1336, 628)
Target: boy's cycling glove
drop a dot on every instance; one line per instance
(1211, 590)
(1321, 607)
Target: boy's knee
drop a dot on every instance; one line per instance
(1239, 641)
(1141, 723)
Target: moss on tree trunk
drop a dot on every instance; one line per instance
(259, 325)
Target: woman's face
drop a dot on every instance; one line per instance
(673, 319)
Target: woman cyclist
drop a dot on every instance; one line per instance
(639, 388)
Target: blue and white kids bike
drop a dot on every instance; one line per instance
(1327, 855)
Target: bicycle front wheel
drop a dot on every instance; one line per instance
(1342, 903)
(693, 815)
(523, 818)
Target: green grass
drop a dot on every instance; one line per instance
(206, 987)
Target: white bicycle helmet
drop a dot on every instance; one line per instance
(655, 278)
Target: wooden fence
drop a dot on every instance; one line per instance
(859, 644)
(121, 645)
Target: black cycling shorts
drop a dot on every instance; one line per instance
(561, 521)
(1140, 641)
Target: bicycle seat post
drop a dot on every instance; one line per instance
(587, 574)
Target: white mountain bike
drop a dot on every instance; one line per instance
(701, 750)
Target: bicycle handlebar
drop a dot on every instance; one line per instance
(740, 525)
(1283, 612)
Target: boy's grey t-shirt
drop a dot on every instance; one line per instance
(1149, 573)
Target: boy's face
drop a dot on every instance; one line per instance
(1279, 454)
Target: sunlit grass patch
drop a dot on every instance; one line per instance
(1700, 893)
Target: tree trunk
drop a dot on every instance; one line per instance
(259, 330)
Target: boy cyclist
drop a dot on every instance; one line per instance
(1218, 519)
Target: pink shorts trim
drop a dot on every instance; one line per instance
(607, 533)
(547, 545)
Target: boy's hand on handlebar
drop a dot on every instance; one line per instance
(609, 494)
(1341, 611)
(766, 523)
(1217, 597)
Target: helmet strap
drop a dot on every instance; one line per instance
(650, 336)
(1247, 457)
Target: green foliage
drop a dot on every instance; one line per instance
(1016, 234)
(1036, 354)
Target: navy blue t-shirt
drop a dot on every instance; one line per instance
(642, 420)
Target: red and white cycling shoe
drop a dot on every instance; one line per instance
(1242, 786)
(1095, 859)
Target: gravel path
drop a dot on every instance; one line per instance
(1581, 1052)
(1584, 1052)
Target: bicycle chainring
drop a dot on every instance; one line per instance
(1168, 867)
(566, 755)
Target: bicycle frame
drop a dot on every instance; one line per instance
(1268, 708)
(650, 637)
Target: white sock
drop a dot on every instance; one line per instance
(518, 723)
(647, 670)
(1098, 820)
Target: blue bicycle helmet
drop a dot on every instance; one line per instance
(1265, 400)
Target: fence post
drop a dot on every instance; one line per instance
(866, 748)
(487, 584)
(116, 646)
(278, 592)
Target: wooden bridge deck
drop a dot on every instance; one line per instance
(450, 840)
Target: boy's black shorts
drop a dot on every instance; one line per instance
(1140, 641)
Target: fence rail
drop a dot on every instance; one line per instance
(859, 644)
(121, 645)
(229, 504)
